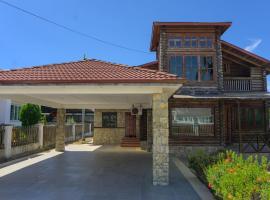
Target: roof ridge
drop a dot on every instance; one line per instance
(46, 65)
(154, 71)
(247, 52)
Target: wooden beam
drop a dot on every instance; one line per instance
(241, 57)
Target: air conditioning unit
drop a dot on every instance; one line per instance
(136, 110)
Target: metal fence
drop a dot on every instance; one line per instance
(2, 132)
(68, 133)
(49, 132)
(78, 131)
(24, 135)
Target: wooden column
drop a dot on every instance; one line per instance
(239, 126)
(60, 130)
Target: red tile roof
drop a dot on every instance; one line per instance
(151, 65)
(87, 71)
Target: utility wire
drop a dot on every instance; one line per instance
(71, 29)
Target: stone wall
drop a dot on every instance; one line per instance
(186, 150)
(109, 135)
(160, 117)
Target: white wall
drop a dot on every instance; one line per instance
(5, 105)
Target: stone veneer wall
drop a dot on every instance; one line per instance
(186, 150)
(160, 117)
(109, 135)
(219, 65)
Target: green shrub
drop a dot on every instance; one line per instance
(200, 160)
(30, 114)
(234, 177)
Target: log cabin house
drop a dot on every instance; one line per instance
(225, 99)
(201, 92)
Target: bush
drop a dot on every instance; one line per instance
(30, 114)
(199, 161)
(234, 177)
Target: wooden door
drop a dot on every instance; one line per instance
(130, 125)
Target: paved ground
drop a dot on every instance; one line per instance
(84, 173)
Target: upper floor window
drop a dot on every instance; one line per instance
(192, 67)
(14, 112)
(175, 42)
(176, 65)
(190, 42)
(206, 68)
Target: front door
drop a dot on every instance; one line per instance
(130, 125)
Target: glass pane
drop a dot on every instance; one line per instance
(191, 64)
(209, 42)
(171, 43)
(202, 42)
(192, 121)
(259, 118)
(194, 42)
(178, 43)
(187, 42)
(206, 68)
(176, 65)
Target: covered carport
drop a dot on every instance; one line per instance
(98, 85)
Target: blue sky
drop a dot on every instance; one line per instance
(27, 41)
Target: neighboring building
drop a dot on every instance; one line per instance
(9, 112)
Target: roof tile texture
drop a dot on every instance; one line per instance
(87, 71)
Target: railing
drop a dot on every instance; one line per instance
(193, 130)
(68, 133)
(24, 135)
(78, 131)
(49, 132)
(2, 132)
(237, 84)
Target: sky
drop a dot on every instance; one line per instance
(28, 41)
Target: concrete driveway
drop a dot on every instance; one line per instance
(90, 172)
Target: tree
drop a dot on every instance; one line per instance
(30, 114)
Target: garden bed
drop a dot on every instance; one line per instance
(230, 176)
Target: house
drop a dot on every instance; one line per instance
(9, 112)
(201, 92)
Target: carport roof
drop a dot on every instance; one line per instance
(86, 71)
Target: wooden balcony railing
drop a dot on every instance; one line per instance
(237, 84)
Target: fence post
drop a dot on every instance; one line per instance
(7, 141)
(40, 135)
(90, 129)
(74, 132)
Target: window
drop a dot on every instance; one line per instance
(209, 42)
(191, 67)
(206, 68)
(14, 112)
(251, 118)
(192, 121)
(176, 65)
(109, 119)
(226, 68)
(190, 41)
(175, 42)
(187, 42)
(202, 42)
(194, 42)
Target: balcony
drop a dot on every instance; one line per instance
(237, 84)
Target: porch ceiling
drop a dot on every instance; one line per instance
(110, 96)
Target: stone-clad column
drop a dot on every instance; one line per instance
(161, 138)
(60, 130)
(138, 121)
